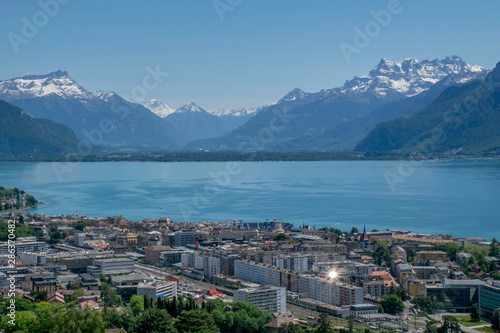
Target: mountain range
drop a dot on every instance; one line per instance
(339, 118)
(463, 119)
(23, 136)
(103, 118)
(382, 111)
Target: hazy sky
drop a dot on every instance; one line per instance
(258, 51)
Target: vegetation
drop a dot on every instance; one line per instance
(196, 321)
(24, 136)
(155, 320)
(48, 318)
(281, 237)
(16, 198)
(426, 304)
(474, 314)
(392, 304)
(22, 230)
(142, 316)
(382, 253)
(445, 125)
(324, 324)
(467, 321)
(495, 320)
(450, 325)
(109, 296)
(290, 328)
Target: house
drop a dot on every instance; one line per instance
(56, 298)
(274, 325)
(88, 304)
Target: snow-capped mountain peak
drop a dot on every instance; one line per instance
(409, 77)
(158, 107)
(240, 112)
(190, 107)
(30, 86)
(105, 95)
(294, 94)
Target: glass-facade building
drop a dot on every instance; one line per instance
(489, 299)
(455, 295)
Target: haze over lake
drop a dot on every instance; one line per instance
(452, 197)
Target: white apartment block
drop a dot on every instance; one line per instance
(268, 298)
(257, 273)
(80, 238)
(363, 309)
(211, 266)
(293, 263)
(321, 289)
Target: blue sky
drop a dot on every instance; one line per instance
(258, 52)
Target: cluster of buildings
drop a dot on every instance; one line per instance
(315, 269)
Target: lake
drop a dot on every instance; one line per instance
(454, 197)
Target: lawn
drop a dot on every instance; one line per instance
(484, 329)
(465, 320)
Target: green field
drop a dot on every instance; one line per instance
(465, 320)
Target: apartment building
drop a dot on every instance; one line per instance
(157, 289)
(268, 298)
(321, 289)
(45, 282)
(293, 263)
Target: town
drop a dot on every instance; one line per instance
(301, 277)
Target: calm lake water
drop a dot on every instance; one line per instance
(461, 198)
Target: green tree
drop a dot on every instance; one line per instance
(137, 304)
(450, 325)
(281, 237)
(196, 321)
(392, 304)
(232, 317)
(495, 320)
(382, 253)
(494, 251)
(430, 328)
(354, 230)
(25, 321)
(350, 325)
(30, 200)
(72, 285)
(109, 296)
(155, 321)
(79, 321)
(426, 304)
(22, 304)
(77, 293)
(474, 313)
(45, 313)
(324, 324)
